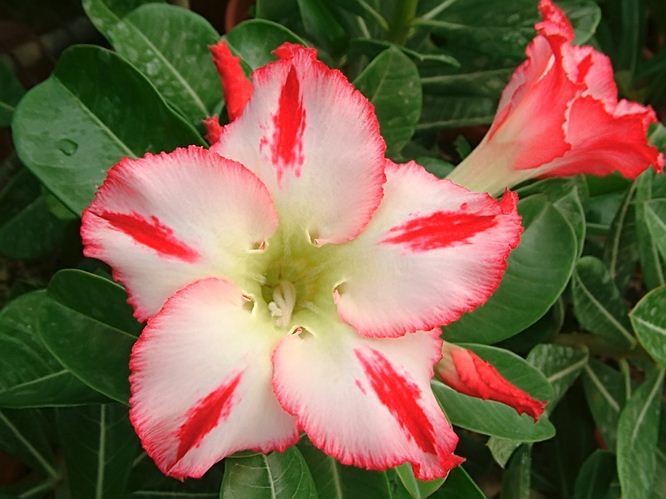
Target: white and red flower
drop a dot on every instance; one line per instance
(467, 373)
(558, 116)
(291, 278)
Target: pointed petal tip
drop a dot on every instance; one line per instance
(236, 87)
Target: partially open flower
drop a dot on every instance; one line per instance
(292, 278)
(558, 116)
(467, 373)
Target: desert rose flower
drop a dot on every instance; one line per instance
(467, 373)
(293, 281)
(558, 116)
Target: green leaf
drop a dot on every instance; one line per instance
(94, 110)
(391, 83)
(649, 320)
(11, 92)
(323, 26)
(621, 251)
(595, 476)
(99, 446)
(637, 433)
(561, 366)
(516, 478)
(147, 482)
(598, 305)
(454, 111)
(418, 489)
(605, 394)
(649, 186)
(87, 334)
(584, 16)
(537, 273)
(278, 475)
(28, 228)
(336, 481)
(489, 417)
(169, 45)
(23, 434)
(655, 218)
(539, 332)
(29, 375)
(255, 40)
(459, 485)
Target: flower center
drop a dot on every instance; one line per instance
(295, 275)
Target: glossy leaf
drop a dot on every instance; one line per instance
(596, 475)
(169, 45)
(459, 484)
(255, 40)
(655, 218)
(23, 434)
(621, 251)
(605, 394)
(537, 273)
(146, 482)
(99, 446)
(11, 92)
(598, 304)
(278, 475)
(323, 26)
(649, 321)
(649, 186)
(94, 110)
(85, 334)
(29, 374)
(638, 429)
(391, 83)
(418, 489)
(336, 481)
(516, 478)
(28, 228)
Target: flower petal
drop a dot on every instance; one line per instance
(314, 140)
(466, 372)
(366, 402)
(165, 220)
(200, 382)
(236, 86)
(604, 141)
(432, 252)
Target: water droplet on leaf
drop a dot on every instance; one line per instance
(67, 146)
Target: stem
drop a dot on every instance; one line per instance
(401, 23)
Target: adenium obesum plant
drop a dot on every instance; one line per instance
(291, 278)
(559, 116)
(294, 279)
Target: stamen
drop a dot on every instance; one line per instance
(282, 306)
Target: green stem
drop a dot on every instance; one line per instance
(401, 24)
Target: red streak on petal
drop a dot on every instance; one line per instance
(439, 230)
(400, 397)
(289, 123)
(205, 416)
(235, 85)
(151, 233)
